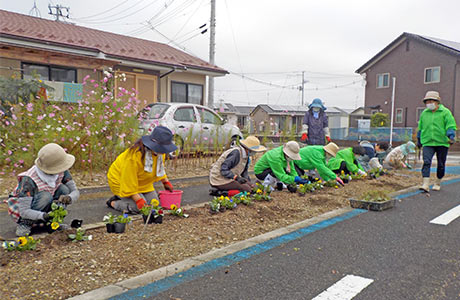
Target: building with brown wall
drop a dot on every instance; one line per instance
(419, 64)
(63, 54)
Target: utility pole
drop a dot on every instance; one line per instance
(212, 52)
(303, 81)
(59, 9)
(392, 110)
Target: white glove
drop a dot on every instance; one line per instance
(361, 172)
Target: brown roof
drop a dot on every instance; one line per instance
(117, 45)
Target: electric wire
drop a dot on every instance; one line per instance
(188, 20)
(105, 11)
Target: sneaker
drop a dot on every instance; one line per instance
(111, 199)
(23, 228)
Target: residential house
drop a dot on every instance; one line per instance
(243, 117)
(63, 54)
(228, 112)
(419, 64)
(276, 118)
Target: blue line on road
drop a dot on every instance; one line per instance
(164, 284)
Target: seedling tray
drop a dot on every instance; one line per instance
(375, 206)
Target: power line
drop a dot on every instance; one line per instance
(105, 11)
(188, 20)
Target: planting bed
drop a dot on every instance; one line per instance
(61, 268)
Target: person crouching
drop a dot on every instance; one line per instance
(48, 181)
(230, 171)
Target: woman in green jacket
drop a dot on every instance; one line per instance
(314, 157)
(277, 166)
(436, 132)
(346, 161)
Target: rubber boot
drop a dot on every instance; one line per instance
(437, 185)
(426, 184)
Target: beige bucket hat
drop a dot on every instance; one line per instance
(252, 143)
(432, 95)
(331, 148)
(52, 159)
(291, 149)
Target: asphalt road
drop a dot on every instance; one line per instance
(406, 257)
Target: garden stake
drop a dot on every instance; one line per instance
(146, 222)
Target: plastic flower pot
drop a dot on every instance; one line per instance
(119, 227)
(374, 206)
(345, 180)
(157, 219)
(110, 228)
(168, 198)
(144, 217)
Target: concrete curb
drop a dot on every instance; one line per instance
(155, 275)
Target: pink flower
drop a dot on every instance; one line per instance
(21, 161)
(105, 79)
(92, 81)
(96, 85)
(51, 115)
(29, 106)
(85, 78)
(7, 159)
(14, 117)
(39, 118)
(24, 149)
(10, 152)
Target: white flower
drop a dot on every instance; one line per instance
(5, 245)
(48, 126)
(58, 128)
(106, 218)
(90, 237)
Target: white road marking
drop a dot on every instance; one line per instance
(447, 217)
(345, 289)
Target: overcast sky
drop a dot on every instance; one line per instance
(272, 42)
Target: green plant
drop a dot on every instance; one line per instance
(261, 192)
(375, 196)
(57, 215)
(109, 219)
(177, 211)
(215, 204)
(24, 243)
(375, 173)
(331, 183)
(79, 235)
(123, 219)
(380, 120)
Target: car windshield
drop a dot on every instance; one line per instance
(154, 111)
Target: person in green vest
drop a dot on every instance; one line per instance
(277, 166)
(436, 132)
(346, 160)
(314, 157)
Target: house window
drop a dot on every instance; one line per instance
(45, 72)
(399, 115)
(432, 75)
(241, 121)
(383, 80)
(186, 93)
(419, 112)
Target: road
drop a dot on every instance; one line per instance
(395, 254)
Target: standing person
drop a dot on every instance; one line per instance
(132, 174)
(277, 167)
(48, 181)
(315, 157)
(397, 158)
(315, 128)
(436, 132)
(230, 171)
(374, 156)
(347, 160)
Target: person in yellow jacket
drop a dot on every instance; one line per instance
(132, 174)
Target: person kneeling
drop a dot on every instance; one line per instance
(48, 181)
(230, 171)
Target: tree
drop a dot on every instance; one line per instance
(380, 120)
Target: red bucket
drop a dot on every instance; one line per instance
(168, 198)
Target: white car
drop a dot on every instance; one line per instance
(194, 126)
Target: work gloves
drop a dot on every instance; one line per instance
(168, 186)
(299, 180)
(240, 179)
(328, 139)
(64, 199)
(339, 181)
(451, 135)
(46, 217)
(419, 144)
(304, 137)
(361, 172)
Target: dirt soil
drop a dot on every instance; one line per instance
(59, 268)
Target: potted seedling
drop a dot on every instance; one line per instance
(109, 221)
(373, 200)
(120, 223)
(178, 211)
(79, 236)
(57, 215)
(152, 213)
(346, 178)
(214, 205)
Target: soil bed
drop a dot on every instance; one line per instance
(61, 268)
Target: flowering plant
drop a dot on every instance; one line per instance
(57, 215)
(345, 177)
(375, 173)
(242, 197)
(109, 219)
(331, 183)
(177, 211)
(154, 207)
(80, 236)
(261, 192)
(123, 219)
(215, 205)
(23, 243)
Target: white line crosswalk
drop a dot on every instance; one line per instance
(447, 217)
(345, 289)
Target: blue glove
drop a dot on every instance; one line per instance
(450, 134)
(297, 179)
(419, 144)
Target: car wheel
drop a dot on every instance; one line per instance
(177, 140)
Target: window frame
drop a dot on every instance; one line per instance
(397, 111)
(431, 68)
(217, 117)
(194, 120)
(383, 86)
(417, 114)
(187, 84)
(49, 70)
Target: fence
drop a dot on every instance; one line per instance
(400, 134)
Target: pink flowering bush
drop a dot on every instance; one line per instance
(95, 130)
